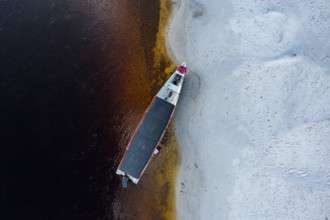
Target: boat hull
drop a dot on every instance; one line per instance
(151, 129)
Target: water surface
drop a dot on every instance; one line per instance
(75, 78)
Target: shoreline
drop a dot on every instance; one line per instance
(253, 117)
(176, 32)
(186, 203)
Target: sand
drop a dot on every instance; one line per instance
(253, 120)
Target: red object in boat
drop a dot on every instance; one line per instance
(182, 69)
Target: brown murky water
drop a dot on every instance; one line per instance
(75, 79)
(154, 196)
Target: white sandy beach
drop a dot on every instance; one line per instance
(253, 120)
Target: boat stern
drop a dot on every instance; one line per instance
(126, 177)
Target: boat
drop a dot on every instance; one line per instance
(145, 140)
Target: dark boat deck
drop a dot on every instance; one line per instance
(146, 137)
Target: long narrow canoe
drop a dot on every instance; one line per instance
(150, 131)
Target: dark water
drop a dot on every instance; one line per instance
(70, 72)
